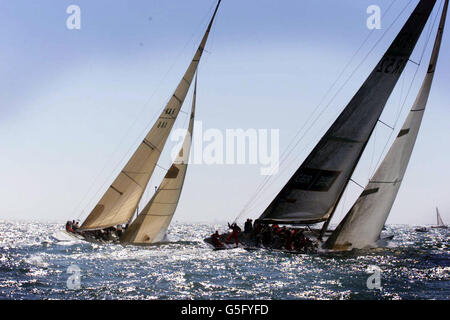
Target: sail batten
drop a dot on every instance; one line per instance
(314, 191)
(363, 224)
(151, 224)
(118, 204)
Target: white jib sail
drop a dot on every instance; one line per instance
(152, 223)
(120, 201)
(362, 226)
(440, 222)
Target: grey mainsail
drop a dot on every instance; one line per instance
(313, 192)
(362, 226)
(151, 224)
(121, 199)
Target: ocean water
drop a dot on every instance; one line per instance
(34, 265)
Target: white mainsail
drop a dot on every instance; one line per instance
(314, 191)
(120, 201)
(152, 223)
(362, 226)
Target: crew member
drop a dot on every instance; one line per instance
(234, 234)
(215, 238)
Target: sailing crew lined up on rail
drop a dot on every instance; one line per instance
(259, 235)
(110, 234)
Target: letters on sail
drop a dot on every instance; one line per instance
(152, 223)
(362, 226)
(120, 201)
(314, 191)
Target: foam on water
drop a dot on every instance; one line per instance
(33, 265)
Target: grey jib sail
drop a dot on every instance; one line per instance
(313, 192)
(121, 199)
(363, 224)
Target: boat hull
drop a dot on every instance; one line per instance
(79, 237)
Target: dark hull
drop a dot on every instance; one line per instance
(90, 239)
(247, 242)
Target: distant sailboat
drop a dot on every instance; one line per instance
(315, 190)
(440, 222)
(121, 199)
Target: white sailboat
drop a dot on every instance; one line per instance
(440, 223)
(120, 201)
(314, 191)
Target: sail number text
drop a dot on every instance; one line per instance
(392, 64)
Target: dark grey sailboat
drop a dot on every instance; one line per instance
(362, 226)
(314, 191)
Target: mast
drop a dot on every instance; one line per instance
(121, 199)
(313, 192)
(362, 225)
(152, 223)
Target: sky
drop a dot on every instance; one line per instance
(75, 103)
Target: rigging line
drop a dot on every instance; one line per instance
(286, 153)
(326, 107)
(157, 165)
(409, 89)
(134, 123)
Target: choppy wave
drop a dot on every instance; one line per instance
(34, 264)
